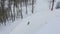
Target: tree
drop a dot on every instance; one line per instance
(3, 13)
(32, 6)
(52, 4)
(21, 9)
(26, 1)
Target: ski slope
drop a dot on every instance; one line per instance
(53, 24)
(37, 20)
(43, 21)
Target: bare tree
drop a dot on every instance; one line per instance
(3, 13)
(26, 1)
(10, 12)
(32, 6)
(52, 4)
(21, 9)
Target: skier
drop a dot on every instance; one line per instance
(28, 23)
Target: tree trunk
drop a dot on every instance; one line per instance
(52, 5)
(2, 4)
(26, 6)
(21, 10)
(14, 11)
(32, 6)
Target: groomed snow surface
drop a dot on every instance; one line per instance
(53, 24)
(43, 21)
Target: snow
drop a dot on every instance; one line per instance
(37, 20)
(53, 24)
(43, 21)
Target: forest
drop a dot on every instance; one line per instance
(10, 9)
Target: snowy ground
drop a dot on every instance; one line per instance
(37, 20)
(53, 24)
(43, 21)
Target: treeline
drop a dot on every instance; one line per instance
(9, 9)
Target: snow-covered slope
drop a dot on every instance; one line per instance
(46, 21)
(37, 20)
(43, 19)
(53, 23)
